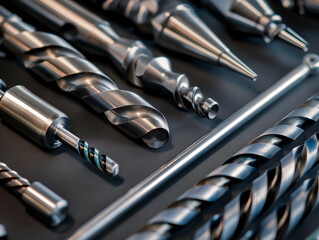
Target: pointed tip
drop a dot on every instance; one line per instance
(229, 60)
(290, 36)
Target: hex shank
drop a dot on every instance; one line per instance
(177, 164)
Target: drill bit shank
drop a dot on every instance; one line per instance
(38, 199)
(53, 59)
(255, 18)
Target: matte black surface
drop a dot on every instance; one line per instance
(88, 191)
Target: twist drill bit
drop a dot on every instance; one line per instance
(3, 232)
(255, 18)
(131, 57)
(179, 28)
(237, 169)
(302, 6)
(281, 221)
(47, 126)
(39, 201)
(53, 59)
(264, 191)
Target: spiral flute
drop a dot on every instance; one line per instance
(53, 59)
(38, 199)
(237, 169)
(264, 191)
(133, 59)
(284, 218)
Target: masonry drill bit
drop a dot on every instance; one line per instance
(39, 201)
(284, 218)
(193, 203)
(302, 6)
(179, 28)
(255, 18)
(47, 126)
(263, 192)
(3, 232)
(131, 57)
(53, 59)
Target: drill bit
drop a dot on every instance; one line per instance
(179, 28)
(302, 6)
(39, 201)
(241, 166)
(131, 57)
(47, 126)
(263, 192)
(284, 218)
(255, 18)
(53, 59)
(3, 232)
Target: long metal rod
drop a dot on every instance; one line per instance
(210, 140)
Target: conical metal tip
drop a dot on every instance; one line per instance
(290, 36)
(229, 60)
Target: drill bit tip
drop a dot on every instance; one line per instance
(210, 107)
(290, 36)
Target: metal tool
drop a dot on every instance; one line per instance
(39, 201)
(202, 146)
(3, 232)
(284, 218)
(47, 126)
(314, 235)
(53, 59)
(255, 18)
(302, 6)
(264, 191)
(131, 57)
(178, 28)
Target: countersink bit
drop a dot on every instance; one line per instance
(47, 126)
(3, 232)
(284, 218)
(180, 29)
(241, 166)
(263, 192)
(53, 59)
(302, 6)
(255, 18)
(39, 201)
(131, 57)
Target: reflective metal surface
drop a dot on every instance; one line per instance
(53, 59)
(178, 28)
(302, 6)
(177, 164)
(135, 61)
(40, 201)
(3, 232)
(255, 18)
(264, 191)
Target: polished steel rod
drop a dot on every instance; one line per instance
(152, 183)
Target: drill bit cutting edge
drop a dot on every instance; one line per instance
(47, 126)
(179, 28)
(131, 57)
(255, 18)
(53, 59)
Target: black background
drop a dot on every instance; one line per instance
(88, 191)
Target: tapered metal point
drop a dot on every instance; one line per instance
(290, 36)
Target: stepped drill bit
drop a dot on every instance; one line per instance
(39, 201)
(193, 203)
(255, 18)
(302, 6)
(47, 126)
(179, 28)
(284, 218)
(53, 59)
(131, 57)
(264, 191)
(3, 232)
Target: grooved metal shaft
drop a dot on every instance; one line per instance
(54, 60)
(264, 191)
(38, 199)
(133, 59)
(284, 218)
(202, 146)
